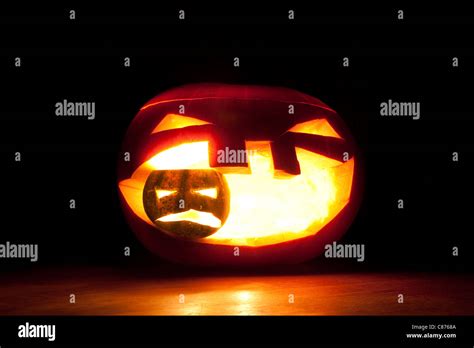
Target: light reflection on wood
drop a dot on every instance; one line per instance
(114, 292)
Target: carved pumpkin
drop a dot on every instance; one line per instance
(238, 175)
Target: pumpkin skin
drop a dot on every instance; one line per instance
(182, 188)
(231, 116)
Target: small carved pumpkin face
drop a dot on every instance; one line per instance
(187, 203)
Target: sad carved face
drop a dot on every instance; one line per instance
(187, 203)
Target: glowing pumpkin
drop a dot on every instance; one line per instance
(238, 175)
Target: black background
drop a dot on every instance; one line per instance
(82, 60)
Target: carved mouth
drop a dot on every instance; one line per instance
(196, 216)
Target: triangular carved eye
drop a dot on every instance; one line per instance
(316, 127)
(173, 121)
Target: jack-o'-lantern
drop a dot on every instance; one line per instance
(238, 175)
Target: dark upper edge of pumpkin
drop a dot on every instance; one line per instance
(230, 91)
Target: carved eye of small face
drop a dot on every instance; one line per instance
(163, 193)
(209, 192)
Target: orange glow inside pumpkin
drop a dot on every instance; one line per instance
(264, 208)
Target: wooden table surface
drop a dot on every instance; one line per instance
(124, 291)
